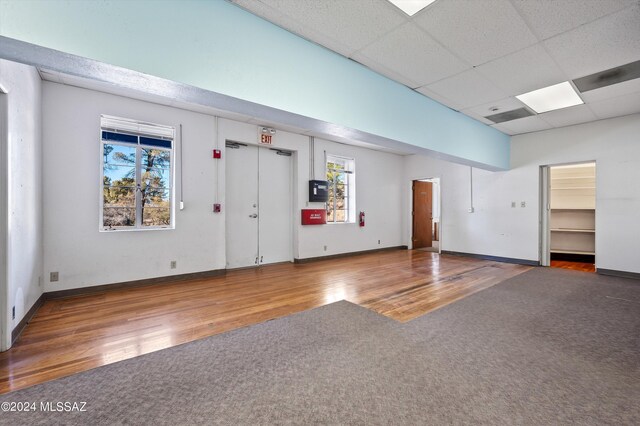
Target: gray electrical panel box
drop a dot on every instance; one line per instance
(318, 191)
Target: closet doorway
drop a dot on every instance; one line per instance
(569, 216)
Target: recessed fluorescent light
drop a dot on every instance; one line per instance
(411, 7)
(558, 96)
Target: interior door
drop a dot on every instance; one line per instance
(259, 206)
(422, 214)
(241, 205)
(274, 184)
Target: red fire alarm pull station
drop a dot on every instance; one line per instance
(217, 208)
(217, 153)
(314, 216)
(361, 219)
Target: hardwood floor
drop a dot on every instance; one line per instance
(574, 266)
(70, 335)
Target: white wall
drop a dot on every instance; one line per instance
(378, 193)
(83, 256)
(497, 229)
(73, 245)
(494, 228)
(378, 180)
(615, 146)
(24, 189)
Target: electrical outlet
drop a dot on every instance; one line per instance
(378, 242)
(325, 248)
(513, 204)
(523, 204)
(53, 277)
(173, 264)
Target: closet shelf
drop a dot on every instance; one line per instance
(587, 231)
(572, 252)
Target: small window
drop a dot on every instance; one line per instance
(341, 206)
(137, 179)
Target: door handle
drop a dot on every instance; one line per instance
(255, 215)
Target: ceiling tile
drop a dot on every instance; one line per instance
(467, 89)
(282, 20)
(623, 105)
(552, 17)
(503, 129)
(503, 105)
(606, 43)
(381, 69)
(354, 24)
(613, 91)
(477, 31)
(413, 54)
(525, 125)
(569, 116)
(523, 71)
(477, 117)
(439, 98)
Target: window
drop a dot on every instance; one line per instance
(341, 206)
(137, 178)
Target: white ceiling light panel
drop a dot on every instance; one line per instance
(550, 98)
(411, 7)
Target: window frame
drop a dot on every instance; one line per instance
(350, 188)
(138, 226)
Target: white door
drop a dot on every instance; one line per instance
(275, 206)
(259, 209)
(241, 205)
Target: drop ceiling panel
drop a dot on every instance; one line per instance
(502, 105)
(503, 129)
(613, 91)
(413, 54)
(608, 42)
(354, 23)
(548, 18)
(623, 105)
(525, 125)
(569, 116)
(281, 19)
(477, 31)
(381, 69)
(467, 89)
(439, 98)
(523, 71)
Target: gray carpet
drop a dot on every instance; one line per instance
(546, 347)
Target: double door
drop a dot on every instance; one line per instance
(258, 206)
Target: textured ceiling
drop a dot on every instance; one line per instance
(476, 55)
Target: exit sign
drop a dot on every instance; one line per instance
(266, 139)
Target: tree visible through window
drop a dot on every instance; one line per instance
(136, 178)
(341, 179)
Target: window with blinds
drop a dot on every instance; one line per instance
(137, 175)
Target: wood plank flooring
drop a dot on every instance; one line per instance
(70, 335)
(574, 266)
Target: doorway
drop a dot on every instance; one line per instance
(258, 205)
(568, 228)
(5, 332)
(425, 214)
